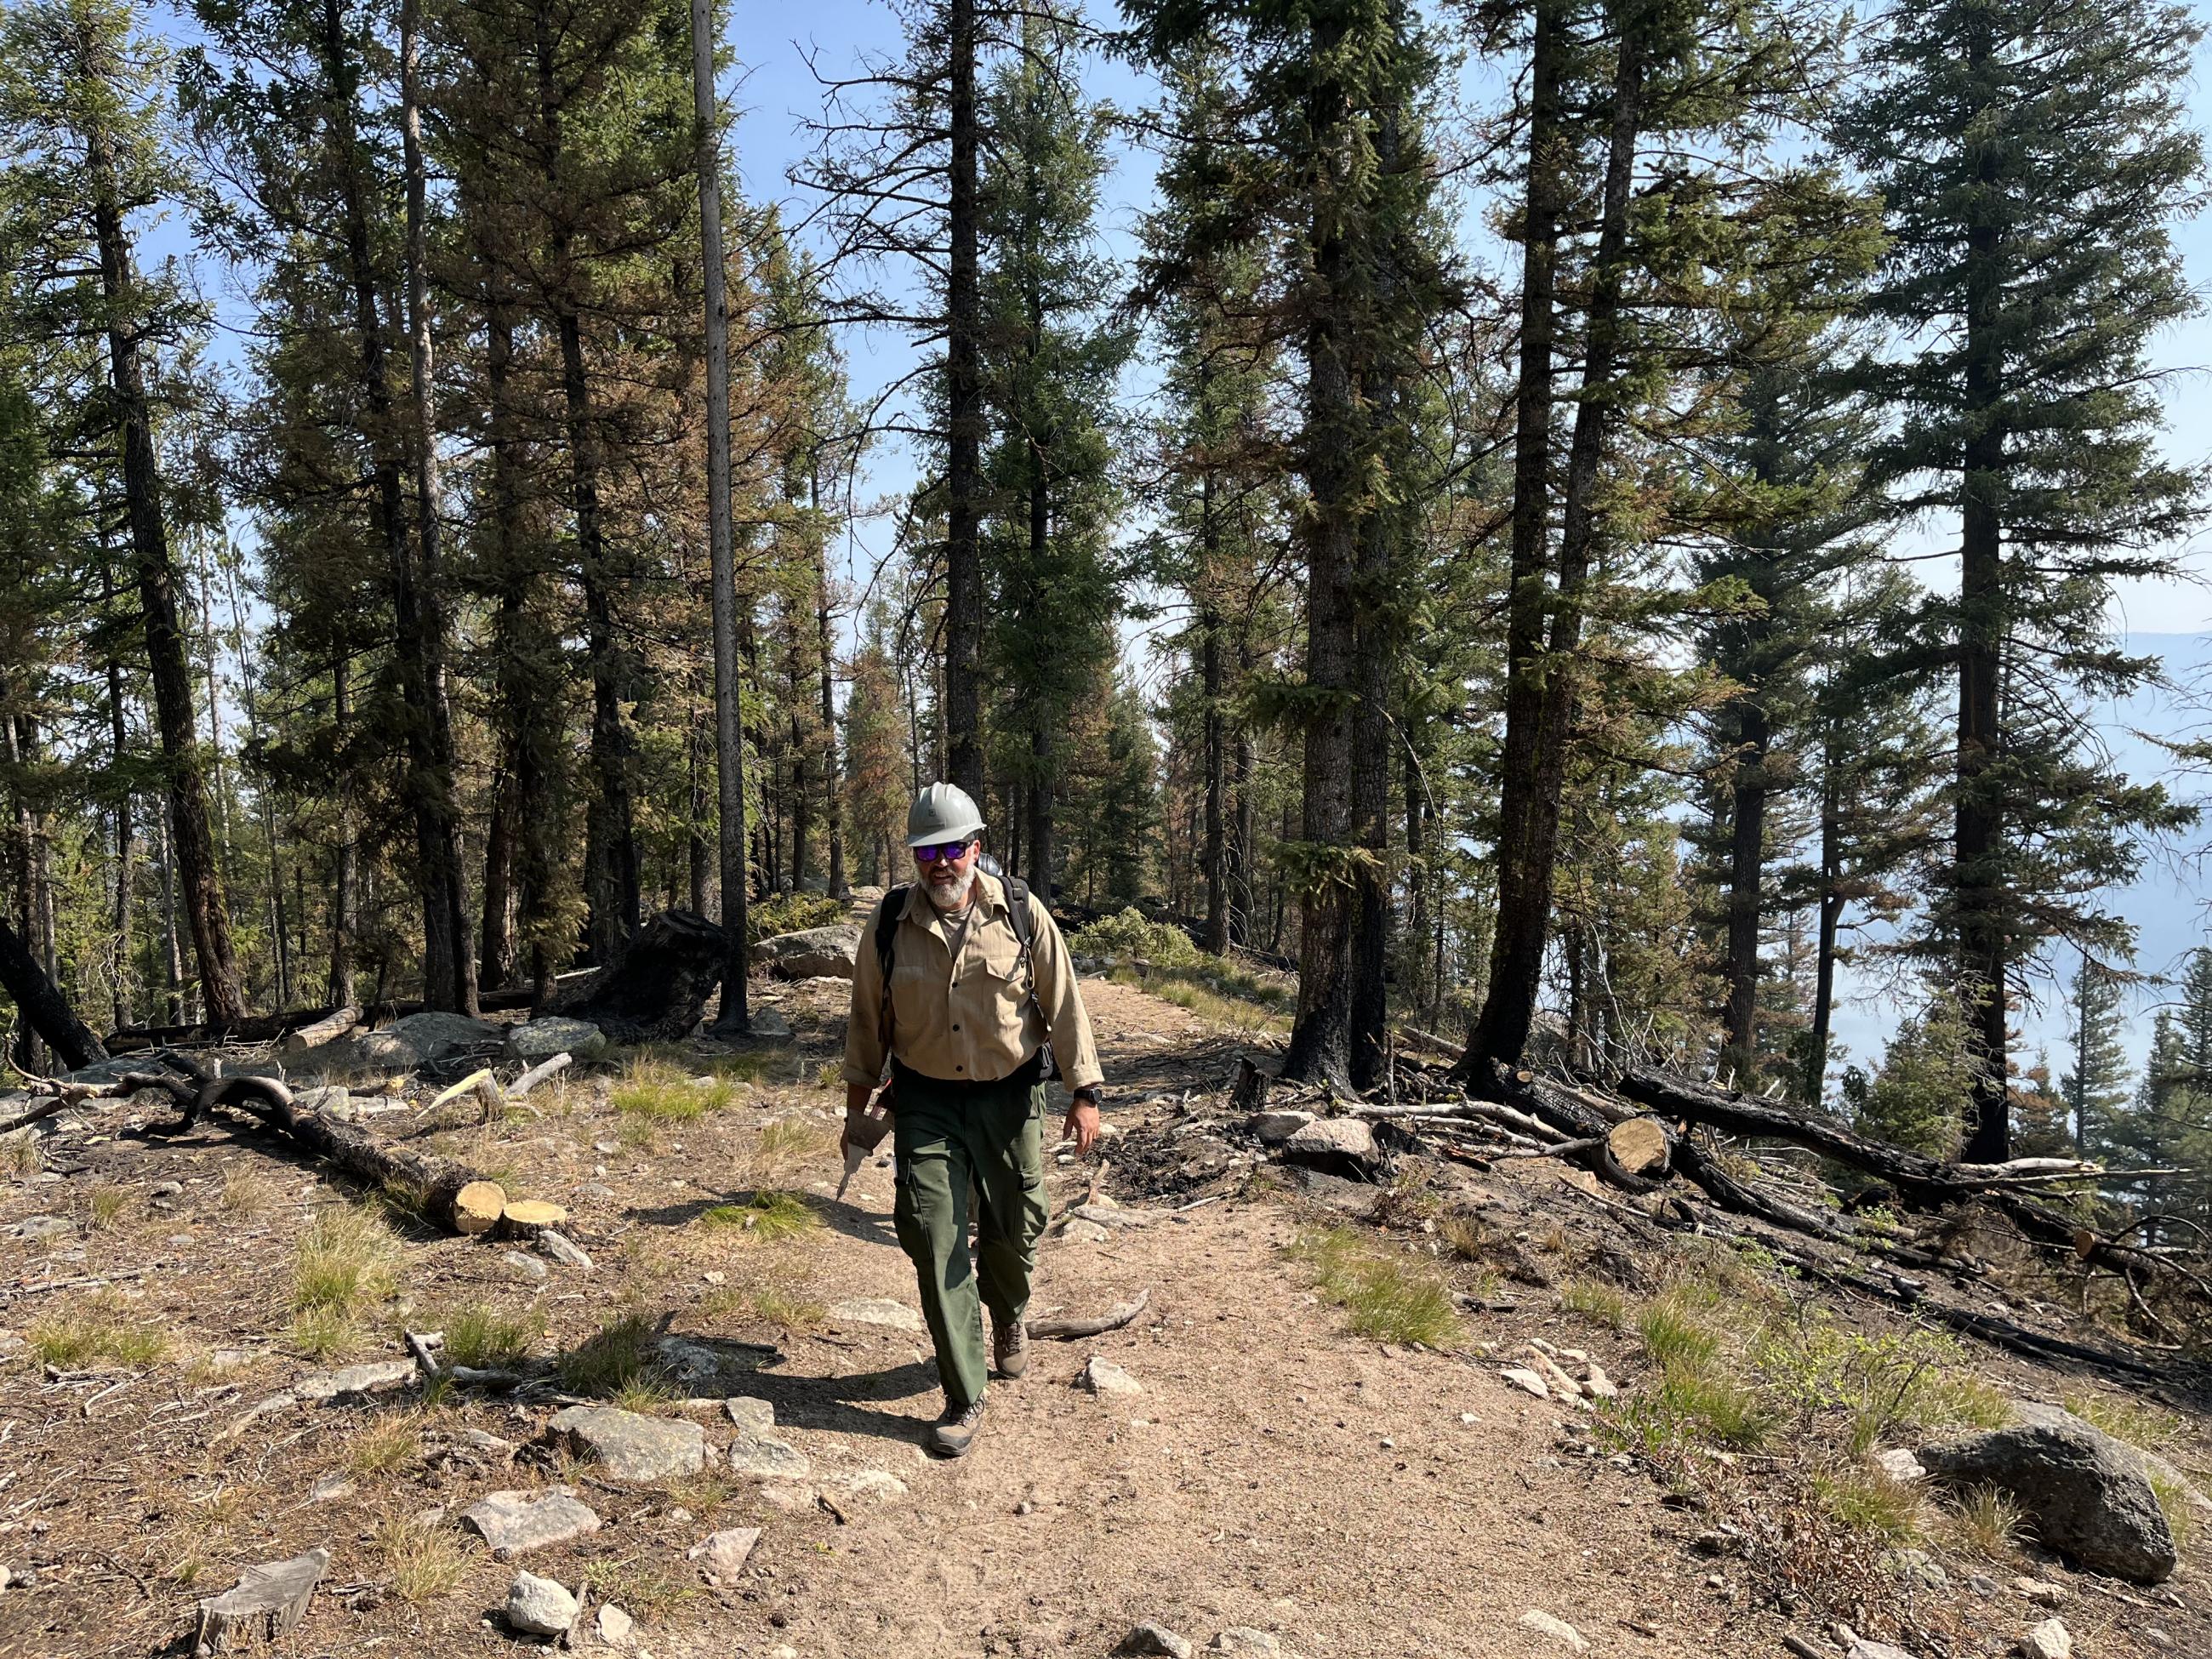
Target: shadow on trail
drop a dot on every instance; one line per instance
(844, 1405)
(840, 1217)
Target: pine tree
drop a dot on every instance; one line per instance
(2031, 152)
(2096, 1090)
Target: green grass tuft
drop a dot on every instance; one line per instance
(1601, 1304)
(653, 1088)
(489, 1340)
(91, 1332)
(1390, 1298)
(347, 1259)
(618, 1362)
(766, 1218)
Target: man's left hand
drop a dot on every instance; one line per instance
(1082, 1124)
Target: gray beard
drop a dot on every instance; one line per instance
(950, 899)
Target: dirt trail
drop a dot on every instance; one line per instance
(1352, 1500)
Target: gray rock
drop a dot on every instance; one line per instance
(112, 1070)
(752, 1415)
(723, 1554)
(332, 1101)
(1104, 1377)
(1336, 1145)
(617, 1628)
(2040, 1591)
(2047, 1640)
(557, 1246)
(629, 1447)
(44, 1226)
(433, 1035)
(356, 1381)
(1273, 1129)
(878, 1310)
(166, 1190)
(1152, 1637)
(1558, 1629)
(880, 1484)
(1981, 1585)
(331, 1488)
(763, 1457)
(1900, 1465)
(812, 953)
(1085, 1232)
(768, 1025)
(539, 1607)
(513, 1522)
(526, 1267)
(2156, 1467)
(1920, 1568)
(549, 1034)
(707, 1366)
(1242, 1638)
(366, 1051)
(1525, 1380)
(1861, 1648)
(2088, 1497)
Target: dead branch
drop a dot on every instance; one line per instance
(1068, 1330)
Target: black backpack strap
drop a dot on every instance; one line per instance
(887, 921)
(1018, 914)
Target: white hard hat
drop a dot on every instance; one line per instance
(943, 813)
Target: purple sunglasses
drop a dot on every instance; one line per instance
(951, 849)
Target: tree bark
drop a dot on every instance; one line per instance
(119, 740)
(344, 897)
(1517, 952)
(1320, 1037)
(964, 573)
(1978, 875)
(192, 842)
(1747, 863)
(824, 644)
(733, 1017)
(439, 833)
(44, 1009)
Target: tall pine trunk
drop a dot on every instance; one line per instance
(344, 899)
(1321, 1038)
(964, 404)
(438, 828)
(1516, 951)
(119, 738)
(833, 788)
(734, 1017)
(196, 886)
(1746, 864)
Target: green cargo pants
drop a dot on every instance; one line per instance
(948, 1135)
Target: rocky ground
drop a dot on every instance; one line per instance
(727, 1459)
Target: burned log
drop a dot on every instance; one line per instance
(45, 1010)
(656, 988)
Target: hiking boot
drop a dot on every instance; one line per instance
(1010, 1346)
(953, 1433)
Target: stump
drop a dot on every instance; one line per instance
(478, 1206)
(656, 988)
(527, 1218)
(266, 1602)
(1638, 1145)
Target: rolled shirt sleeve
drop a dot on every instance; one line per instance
(1066, 1021)
(863, 1033)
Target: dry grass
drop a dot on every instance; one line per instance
(423, 1563)
(106, 1206)
(653, 1090)
(347, 1259)
(390, 1441)
(645, 1586)
(620, 1361)
(246, 1190)
(1866, 1501)
(322, 1332)
(1984, 1521)
(1601, 1304)
(93, 1331)
(489, 1340)
(20, 1153)
(2144, 1426)
(1464, 1235)
(1390, 1296)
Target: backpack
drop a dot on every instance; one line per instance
(1018, 914)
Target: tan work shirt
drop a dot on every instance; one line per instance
(968, 1018)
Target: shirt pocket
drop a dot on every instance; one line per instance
(917, 1000)
(1004, 981)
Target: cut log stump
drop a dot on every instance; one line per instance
(527, 1218)
(266, 1603)
(478, 1206)
(1638, 1145)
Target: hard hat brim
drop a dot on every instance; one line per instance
(939, 837)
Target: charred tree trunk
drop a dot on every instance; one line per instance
(344, 897)
(1517, 954)
(1746, 866)
(963, 406)
(196, 883)
(44, 1009)
(1321, 1038)
(118, 739)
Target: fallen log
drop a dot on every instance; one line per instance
(329, 1028)
(1921, 1182)
(45, 1010)
(1571, 1113)
(538, 1074)
(1069, 1330)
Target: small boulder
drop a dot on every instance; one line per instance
(2047, 1640)
(762, 1457)
(1153, 1638)
(1273, 1129)
(1104, 1377)
(512, 1522)
(753, 1416)
(1900, 1465)
(2088, 1497)
(266, 1602)
(1861, 1648)
(1597, 1385)
(879, 1310)
(629, 1447)
(723, 1554)
(434, 1034)
(1525, 1380)
(1242, 1638)
(549, 1034)
(768, 1025)
(356, 1381)
(810, 953)
(539, 1607)
(616, 1628)
(1558, 1629)
(1336, 1145)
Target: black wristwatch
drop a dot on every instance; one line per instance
(1090, 1092)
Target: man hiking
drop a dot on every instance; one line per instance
(974, 990)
